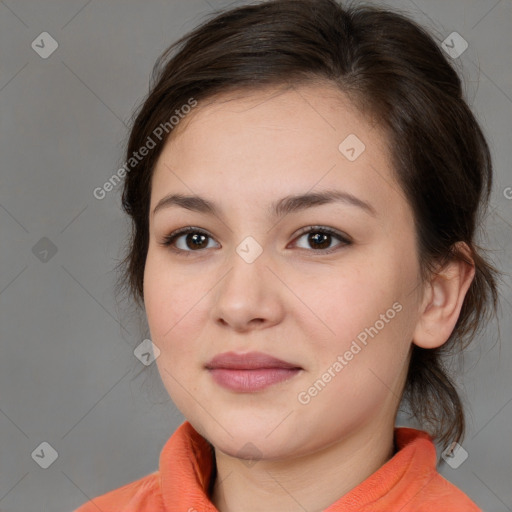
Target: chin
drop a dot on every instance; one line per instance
(248, 441)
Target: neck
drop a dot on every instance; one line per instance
(311, 482)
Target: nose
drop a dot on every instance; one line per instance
(249, 295)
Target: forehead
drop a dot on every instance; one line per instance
(310, 111)
(265, 140)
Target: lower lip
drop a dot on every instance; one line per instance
(251, 380)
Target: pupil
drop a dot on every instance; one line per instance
(316, 239)
(196, 242)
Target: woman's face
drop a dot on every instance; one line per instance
(250, 278)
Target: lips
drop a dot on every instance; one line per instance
(250, 372)
(248, 361)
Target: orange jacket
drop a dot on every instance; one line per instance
(408, 482)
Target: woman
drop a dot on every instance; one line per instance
(304, 182)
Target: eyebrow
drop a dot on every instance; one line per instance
(281, 207)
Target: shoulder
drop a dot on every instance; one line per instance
(421, 487)
(442, 496)
(138, 496)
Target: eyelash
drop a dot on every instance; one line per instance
(169, 239)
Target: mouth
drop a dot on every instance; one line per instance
(253, 371)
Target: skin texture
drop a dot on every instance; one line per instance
(295, 302)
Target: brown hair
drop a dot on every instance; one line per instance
(390, 68)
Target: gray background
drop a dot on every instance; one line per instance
(68, 375)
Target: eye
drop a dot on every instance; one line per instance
(195, 239)
(320, 238)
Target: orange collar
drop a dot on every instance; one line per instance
(186, 464)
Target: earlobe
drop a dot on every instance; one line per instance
(443, 299)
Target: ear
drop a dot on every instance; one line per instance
(443, 299)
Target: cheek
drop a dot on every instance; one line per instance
(173, 310)
(344, 301)
(363, 365)
(166, 295)
(363, 318)
(175, 305)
